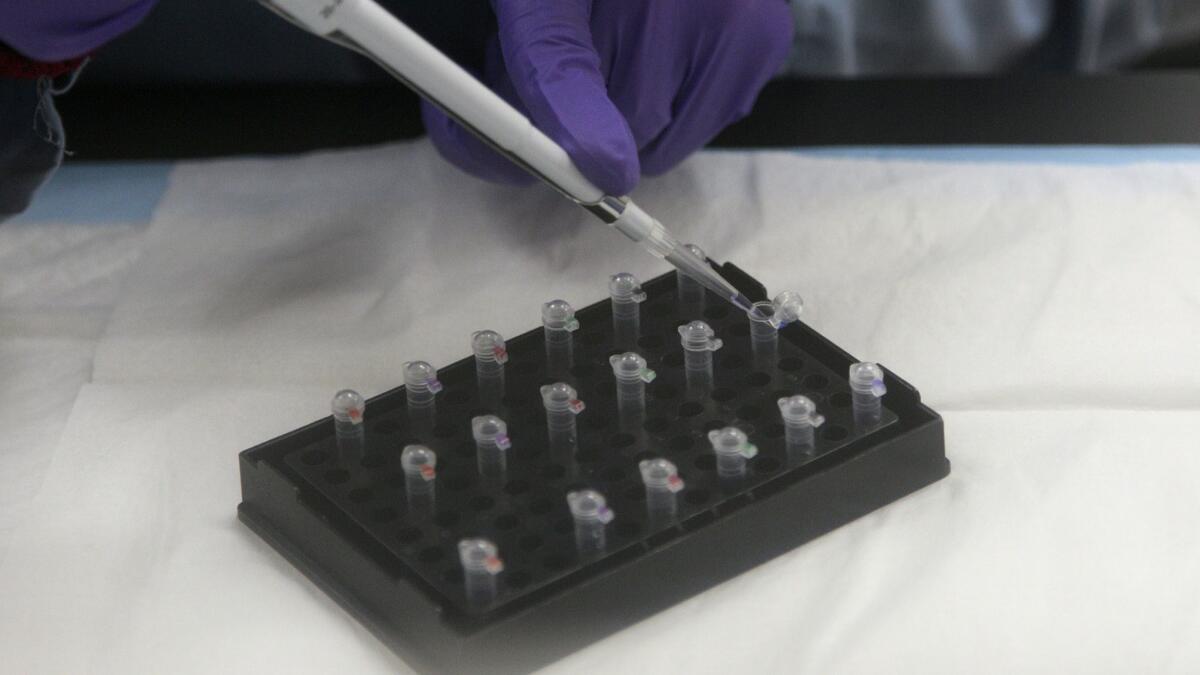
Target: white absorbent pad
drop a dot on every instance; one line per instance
(58, 284)
(1052, 311)
(997, 285)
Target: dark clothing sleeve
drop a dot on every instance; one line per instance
(31, 140)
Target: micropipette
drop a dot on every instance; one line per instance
(367, 28)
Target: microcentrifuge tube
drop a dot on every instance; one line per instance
(491, 445)
(348, 408)
(562, 405)
(558, 320)
(662, 482)
(481, 564)
(631, 374)
(421, 386)
(698, 345)
(420, 473)
(800, 418)
(866, 388)
(732, 449)
(691, 292)
(627, 295)
(490, 356)
(591, 514)
(766, 318)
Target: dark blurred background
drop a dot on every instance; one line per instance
(223, 77)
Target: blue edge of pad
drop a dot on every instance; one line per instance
(99, 193)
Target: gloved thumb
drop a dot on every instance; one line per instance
(555, 71)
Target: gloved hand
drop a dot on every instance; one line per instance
(624, 86)
(56, 30)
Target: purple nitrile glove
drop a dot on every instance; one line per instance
(625, 86)
(57, 30)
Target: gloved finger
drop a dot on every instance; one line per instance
(58, 30)
(722, 83)
(644, 54)
(555, 70)
(462, 149)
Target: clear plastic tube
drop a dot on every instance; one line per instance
(631, 375)
(491, 445)
(562, 405)
(766, 318)
(698, 347)
(491, 354)
(691, 292)
(348, 407)
(591, 514)
(481, 565)
(419, 464)
(866, 391)
(662, 482)
(559, 322)
(421, 387)
(627, 296)
(732, 449)
(800, 419)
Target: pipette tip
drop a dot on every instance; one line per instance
(741, 302)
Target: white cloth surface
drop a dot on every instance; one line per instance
(988, 285)
(58, 285)
(1051, 311)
